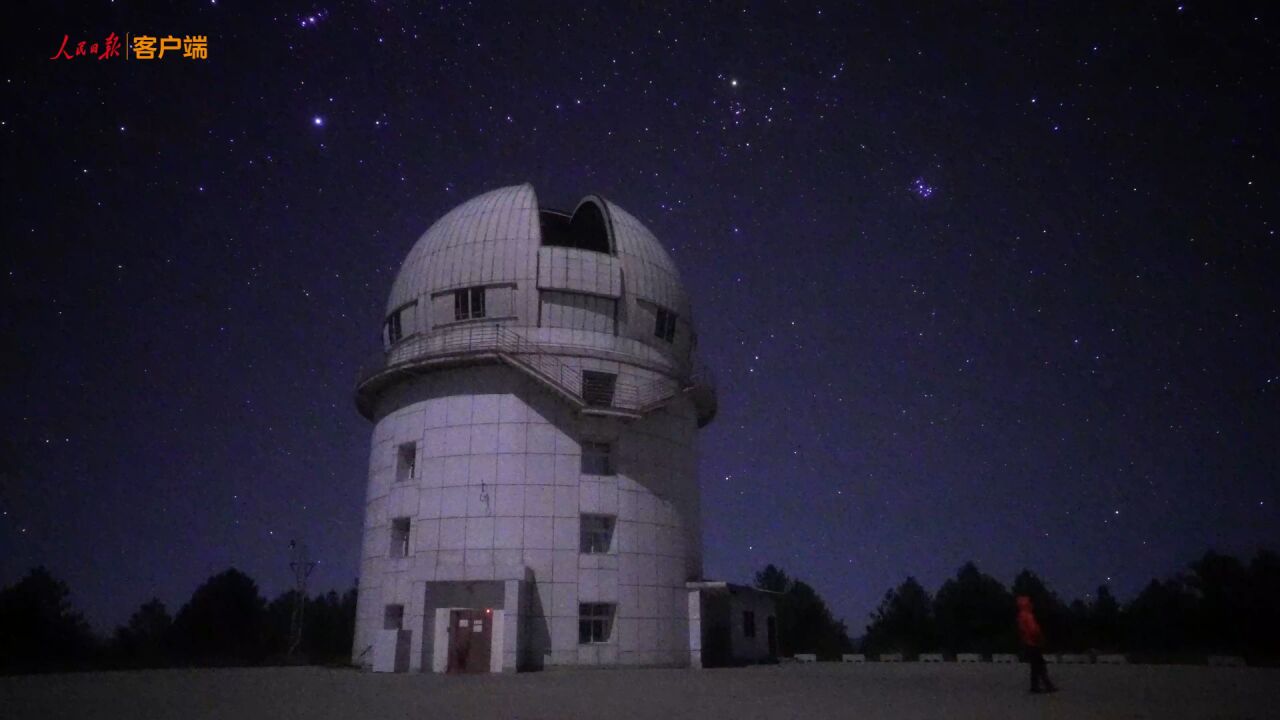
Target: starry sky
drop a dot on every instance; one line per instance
(979, 281)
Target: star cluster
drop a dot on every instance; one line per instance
(978, 283)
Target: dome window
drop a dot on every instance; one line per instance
(468, 304)
(395, 332)
(664, 325)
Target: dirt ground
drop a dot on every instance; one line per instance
(897, 692)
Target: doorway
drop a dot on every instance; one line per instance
(470, 638)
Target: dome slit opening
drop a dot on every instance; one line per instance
(584, 230)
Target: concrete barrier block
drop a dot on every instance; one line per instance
(1113, 660)
(853, 658)
(1005, 658)
(930, 657)
(890, 657)
(968, 657)
(1075, 659)
(1052, 659)
(806, 657)
(1226, 661)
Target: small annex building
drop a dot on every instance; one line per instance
(731, 624)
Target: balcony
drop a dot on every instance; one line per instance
(590, 392)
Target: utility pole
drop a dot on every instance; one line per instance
(301, 565)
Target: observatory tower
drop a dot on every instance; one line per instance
(532, 496)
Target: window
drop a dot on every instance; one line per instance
(406, 462)
(595, 534)
(597, 458)
(597, 388)
(399, 323)
(595, 623)
(393, 618)
(394, 330)
(468, 304)
(400, 537)
(748, 623)
(664, 325)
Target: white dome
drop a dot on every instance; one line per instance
(499, 276)
(500, 239)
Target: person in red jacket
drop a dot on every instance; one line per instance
(1033, 646)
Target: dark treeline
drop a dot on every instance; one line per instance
(226, 622)
(1220, 605)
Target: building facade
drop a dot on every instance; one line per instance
(532, 493)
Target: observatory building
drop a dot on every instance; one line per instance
(532, 495)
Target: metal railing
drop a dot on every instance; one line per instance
(542, 361)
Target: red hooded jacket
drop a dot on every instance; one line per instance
(1028, 628)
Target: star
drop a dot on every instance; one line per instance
(317, 121)
(313, 19)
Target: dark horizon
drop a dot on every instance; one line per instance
(978, 283)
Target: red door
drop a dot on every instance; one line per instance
(470, 635)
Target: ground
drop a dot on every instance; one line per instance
(900, 692)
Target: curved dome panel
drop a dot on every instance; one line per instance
(650, 273)
(490, 238)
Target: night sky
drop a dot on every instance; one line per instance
(978, 281)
